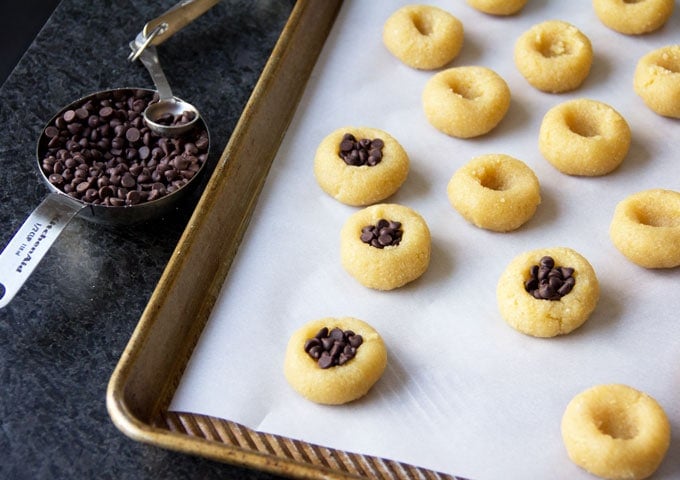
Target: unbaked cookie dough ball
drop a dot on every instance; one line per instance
(496, 192)
(616, 432)
(498, 7)
(657, 80)
(547, 292)
(360, 165)
(334, 360)
(645, 228)
(385, 246)
(633, 17)
(423, 36)
(584, 137)
(466, 101)
(554, 56)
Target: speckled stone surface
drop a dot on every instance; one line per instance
(62, 335)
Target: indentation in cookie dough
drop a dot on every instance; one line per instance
(582, 126)
(422, 23)
(656, 216)
(551, 47)
(465, 90)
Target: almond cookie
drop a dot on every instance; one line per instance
(633, 17)
(554, 56)
(360, 165)
(466, 102)
(498, 7)
(547, 292)
(646, 228)
(584, 137)
(657, 80)
(616, 432)
(385, 246)
(334, 360)
(495, 191)
(423, 36)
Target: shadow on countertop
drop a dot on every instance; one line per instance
(20, 22)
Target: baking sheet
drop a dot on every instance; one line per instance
(463, 393)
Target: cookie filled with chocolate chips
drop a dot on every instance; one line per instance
(334, 360)
(385, 246)
(547, 292)
(360, 165)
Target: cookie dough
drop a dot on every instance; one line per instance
(423, 36)
(333, 376)
(360, 165)
(533, 304)
(646, 228)
(633, 17)
(498, 7)
(466, 101)
(657, 80)
(496, 192)
(385, 246)
(616, 432)
(554, 56)
(584, 137)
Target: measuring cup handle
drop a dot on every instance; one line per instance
(149, 58)
(32, 241)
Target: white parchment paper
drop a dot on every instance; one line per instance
(463, 393)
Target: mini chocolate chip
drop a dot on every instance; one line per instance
(327, 343)
(105, 191)
(325, 360)
(133, 197)
(144, 152)
(128, 181)
(83, 187)
(106, 112)
(315, 352)
(56, 179)
(311, 343)
(181, 163)
(69, 116)
(52, 131)
(133, 134)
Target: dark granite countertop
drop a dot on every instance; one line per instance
(62, 335)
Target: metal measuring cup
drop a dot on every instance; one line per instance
(44, 225)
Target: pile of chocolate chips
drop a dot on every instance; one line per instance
(102, 152)
(361, 152)
(383, 234)
(334, 347)
(549, 282)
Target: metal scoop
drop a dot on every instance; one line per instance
(169, 116)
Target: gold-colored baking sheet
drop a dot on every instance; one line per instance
(151, 366)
